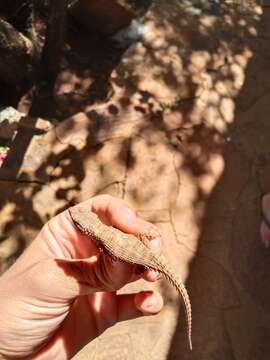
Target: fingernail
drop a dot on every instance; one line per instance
(155, 275)
(149, 303)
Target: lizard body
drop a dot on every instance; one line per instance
(130, 249)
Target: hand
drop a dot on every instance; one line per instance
(61, 293)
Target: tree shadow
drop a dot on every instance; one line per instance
(199, 53)
(229, 276)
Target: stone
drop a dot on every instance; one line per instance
(9, 118)
(130, 34)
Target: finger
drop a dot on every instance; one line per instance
(131, 306)
(151, 275)
(147, 274)
(116, 212)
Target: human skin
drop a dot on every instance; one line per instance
(61, 293)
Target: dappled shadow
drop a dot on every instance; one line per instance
(229, 277)
(82, 81)
(172, 129)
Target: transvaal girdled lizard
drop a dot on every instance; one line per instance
(130, 249)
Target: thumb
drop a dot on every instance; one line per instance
(58, 279)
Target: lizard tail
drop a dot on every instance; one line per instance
(180, 287)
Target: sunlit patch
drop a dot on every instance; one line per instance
(215, 167)
(8, 244)
(227, 108)
(8, 247)
(7, 212)
(97, 300)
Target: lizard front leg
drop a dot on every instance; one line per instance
(150, 234)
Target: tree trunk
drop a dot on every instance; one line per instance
(55, 35)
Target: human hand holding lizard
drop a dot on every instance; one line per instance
(51, 304)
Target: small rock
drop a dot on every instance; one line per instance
(130, 34)
(9, 118)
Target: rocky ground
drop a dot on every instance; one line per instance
(178, 125)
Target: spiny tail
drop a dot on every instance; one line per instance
(185, 299)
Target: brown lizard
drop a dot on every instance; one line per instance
(130, 249)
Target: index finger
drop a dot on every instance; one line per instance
(116, 212)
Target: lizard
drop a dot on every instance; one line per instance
(131, 249)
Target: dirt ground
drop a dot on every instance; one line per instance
(178, 126)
